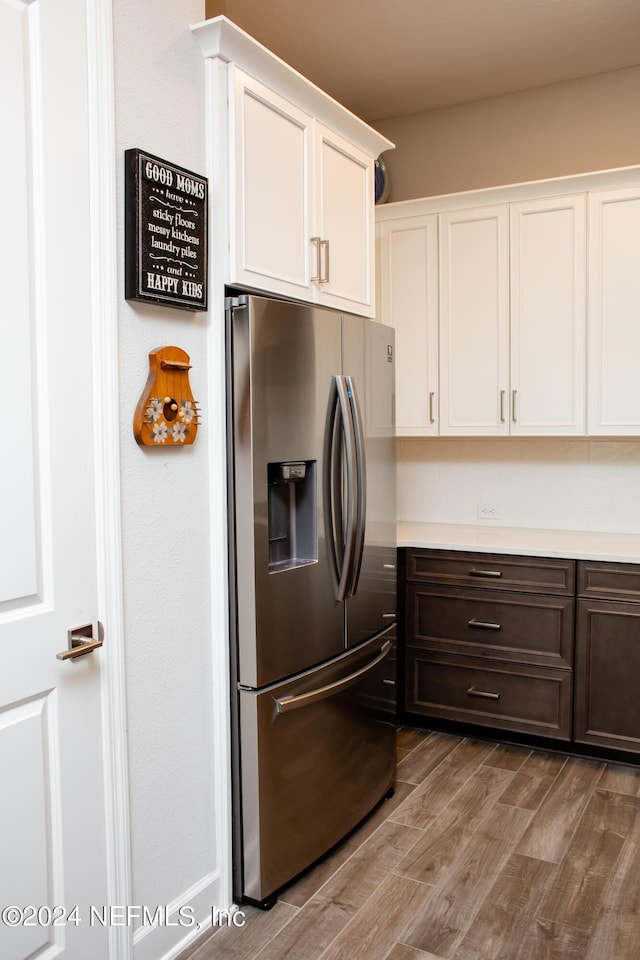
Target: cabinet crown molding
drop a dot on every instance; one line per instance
(511, 193)
(222, 39)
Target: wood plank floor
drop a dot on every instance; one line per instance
(485, 852)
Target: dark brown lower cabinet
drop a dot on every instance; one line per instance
(490, 640)
(607, 687)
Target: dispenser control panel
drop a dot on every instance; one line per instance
(293, 471)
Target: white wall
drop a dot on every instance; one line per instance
(159, 77)
(553, 131)
(575, 484)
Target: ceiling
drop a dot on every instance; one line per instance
(388, 58)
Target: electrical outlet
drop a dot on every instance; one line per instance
(487, 511)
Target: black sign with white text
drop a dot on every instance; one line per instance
(165, 233)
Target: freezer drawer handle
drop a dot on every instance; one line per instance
(482, 693)
(284, 704)
(484, 624)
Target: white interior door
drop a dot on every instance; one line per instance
(52, 803)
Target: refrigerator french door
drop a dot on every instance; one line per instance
(312, 563)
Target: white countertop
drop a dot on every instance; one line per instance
(569, 544)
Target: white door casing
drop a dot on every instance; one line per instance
(54, 718)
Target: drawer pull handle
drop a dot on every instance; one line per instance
(485, 625)
(482, 693)
(485, 573)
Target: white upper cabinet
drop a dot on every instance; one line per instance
(491, 324)
(273, 191)
(548, 320)
(291, 171)
(344, 228)
(408, 268)
(512, 319)
(302, 206)
(614, 312)
(474, 321)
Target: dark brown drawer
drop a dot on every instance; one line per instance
(533, 699)
(500, 572)
(614, 581)
(519, 627)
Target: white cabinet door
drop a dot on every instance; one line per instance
(474, 321)
(614, 312)
(345, 228)
(409, 303)
(273, 191)
(548, 321)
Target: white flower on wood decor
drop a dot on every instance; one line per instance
(154, 410)
(160, 432)
(187, 411)
(179, 432)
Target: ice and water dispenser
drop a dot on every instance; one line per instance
(293, 540)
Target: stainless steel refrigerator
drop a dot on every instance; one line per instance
(311, 404)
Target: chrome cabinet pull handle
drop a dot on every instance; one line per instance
(484, 625)
(324, 244)
(502, 393)
(431, 417)
(485, 573)
(513, 405)
(318, 277)
(471, 692)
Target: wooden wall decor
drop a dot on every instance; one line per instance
(167, 414)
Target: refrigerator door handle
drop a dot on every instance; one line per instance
(361, 486)
(332, 488)
(284, 704)
(339, 428)
(345, 396)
